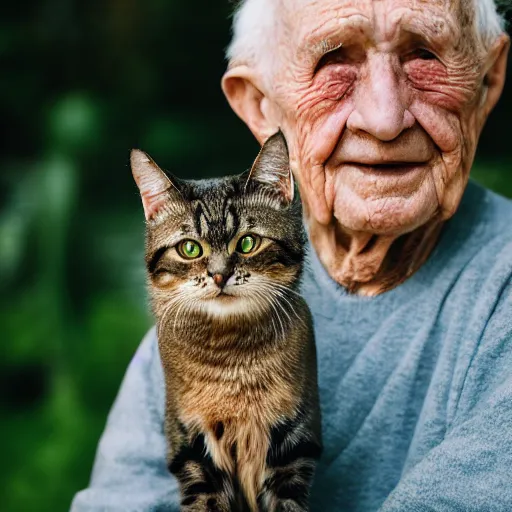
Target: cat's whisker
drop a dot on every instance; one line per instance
(264, 303)
(294, 311)
(169, 307)
(273, 324)
(285, 289)
(278, 295)
(178, 318)
(296, 295)
(273, 309)
(281, 294)
(281, 306)
(274, 305)
(264, 306)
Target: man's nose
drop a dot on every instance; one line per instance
(381, 100)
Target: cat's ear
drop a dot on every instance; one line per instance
(272, 167)
(154, 185)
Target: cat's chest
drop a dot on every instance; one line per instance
(221, 383)
(236, 417)
(234, 395)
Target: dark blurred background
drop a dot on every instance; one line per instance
(81, 84)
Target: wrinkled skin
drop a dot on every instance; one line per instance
(382, 103)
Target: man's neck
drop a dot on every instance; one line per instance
(369, 265)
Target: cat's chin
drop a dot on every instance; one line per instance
(226, 305)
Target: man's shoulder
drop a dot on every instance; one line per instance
(491, 213)
(481, 230)
(478, 248)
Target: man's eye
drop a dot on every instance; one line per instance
(346, 55)
(421, 54)
(333, 57)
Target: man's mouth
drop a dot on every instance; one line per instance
(387, 168)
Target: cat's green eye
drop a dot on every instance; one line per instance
(190, 250)
(247, 244)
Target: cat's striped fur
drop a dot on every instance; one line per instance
(242, 414)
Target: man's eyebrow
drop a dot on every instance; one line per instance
(331, 35)
(334, 33)
(434, 29)
(325, 46)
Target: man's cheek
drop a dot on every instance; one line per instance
(313, 125)
(319, 113)
(444, 127)
(452, 176)
(452, 89)
(320, 129)
(333, 83)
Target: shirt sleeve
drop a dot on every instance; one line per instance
(470, 469)
(130, 472)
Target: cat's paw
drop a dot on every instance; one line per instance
(204, 504)
(290, 506)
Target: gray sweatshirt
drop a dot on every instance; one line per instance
(415, 385)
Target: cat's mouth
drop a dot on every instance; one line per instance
(223, 296)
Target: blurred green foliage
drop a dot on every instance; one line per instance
(82, 83)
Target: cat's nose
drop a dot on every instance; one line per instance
(218, 279)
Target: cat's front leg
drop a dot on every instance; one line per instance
(204, 503)
(290, 506)
(291, 464)
(286, 489)
(204, 487)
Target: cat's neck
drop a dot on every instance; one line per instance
(368, 264)
(226, 332)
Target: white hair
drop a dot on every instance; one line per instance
(254, 28)
(490, 24)
(255, 25)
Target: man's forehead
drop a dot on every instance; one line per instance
(316, 11)
(371, 5)
(312, 22)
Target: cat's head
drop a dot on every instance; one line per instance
(229, 246)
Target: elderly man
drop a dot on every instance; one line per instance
(382, 103)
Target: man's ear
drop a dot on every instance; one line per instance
(496, 72)
(249, 102)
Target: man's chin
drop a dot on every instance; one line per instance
(385, 215)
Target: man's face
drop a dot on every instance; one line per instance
(382, 103)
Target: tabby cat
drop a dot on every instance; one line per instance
(224, 259)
